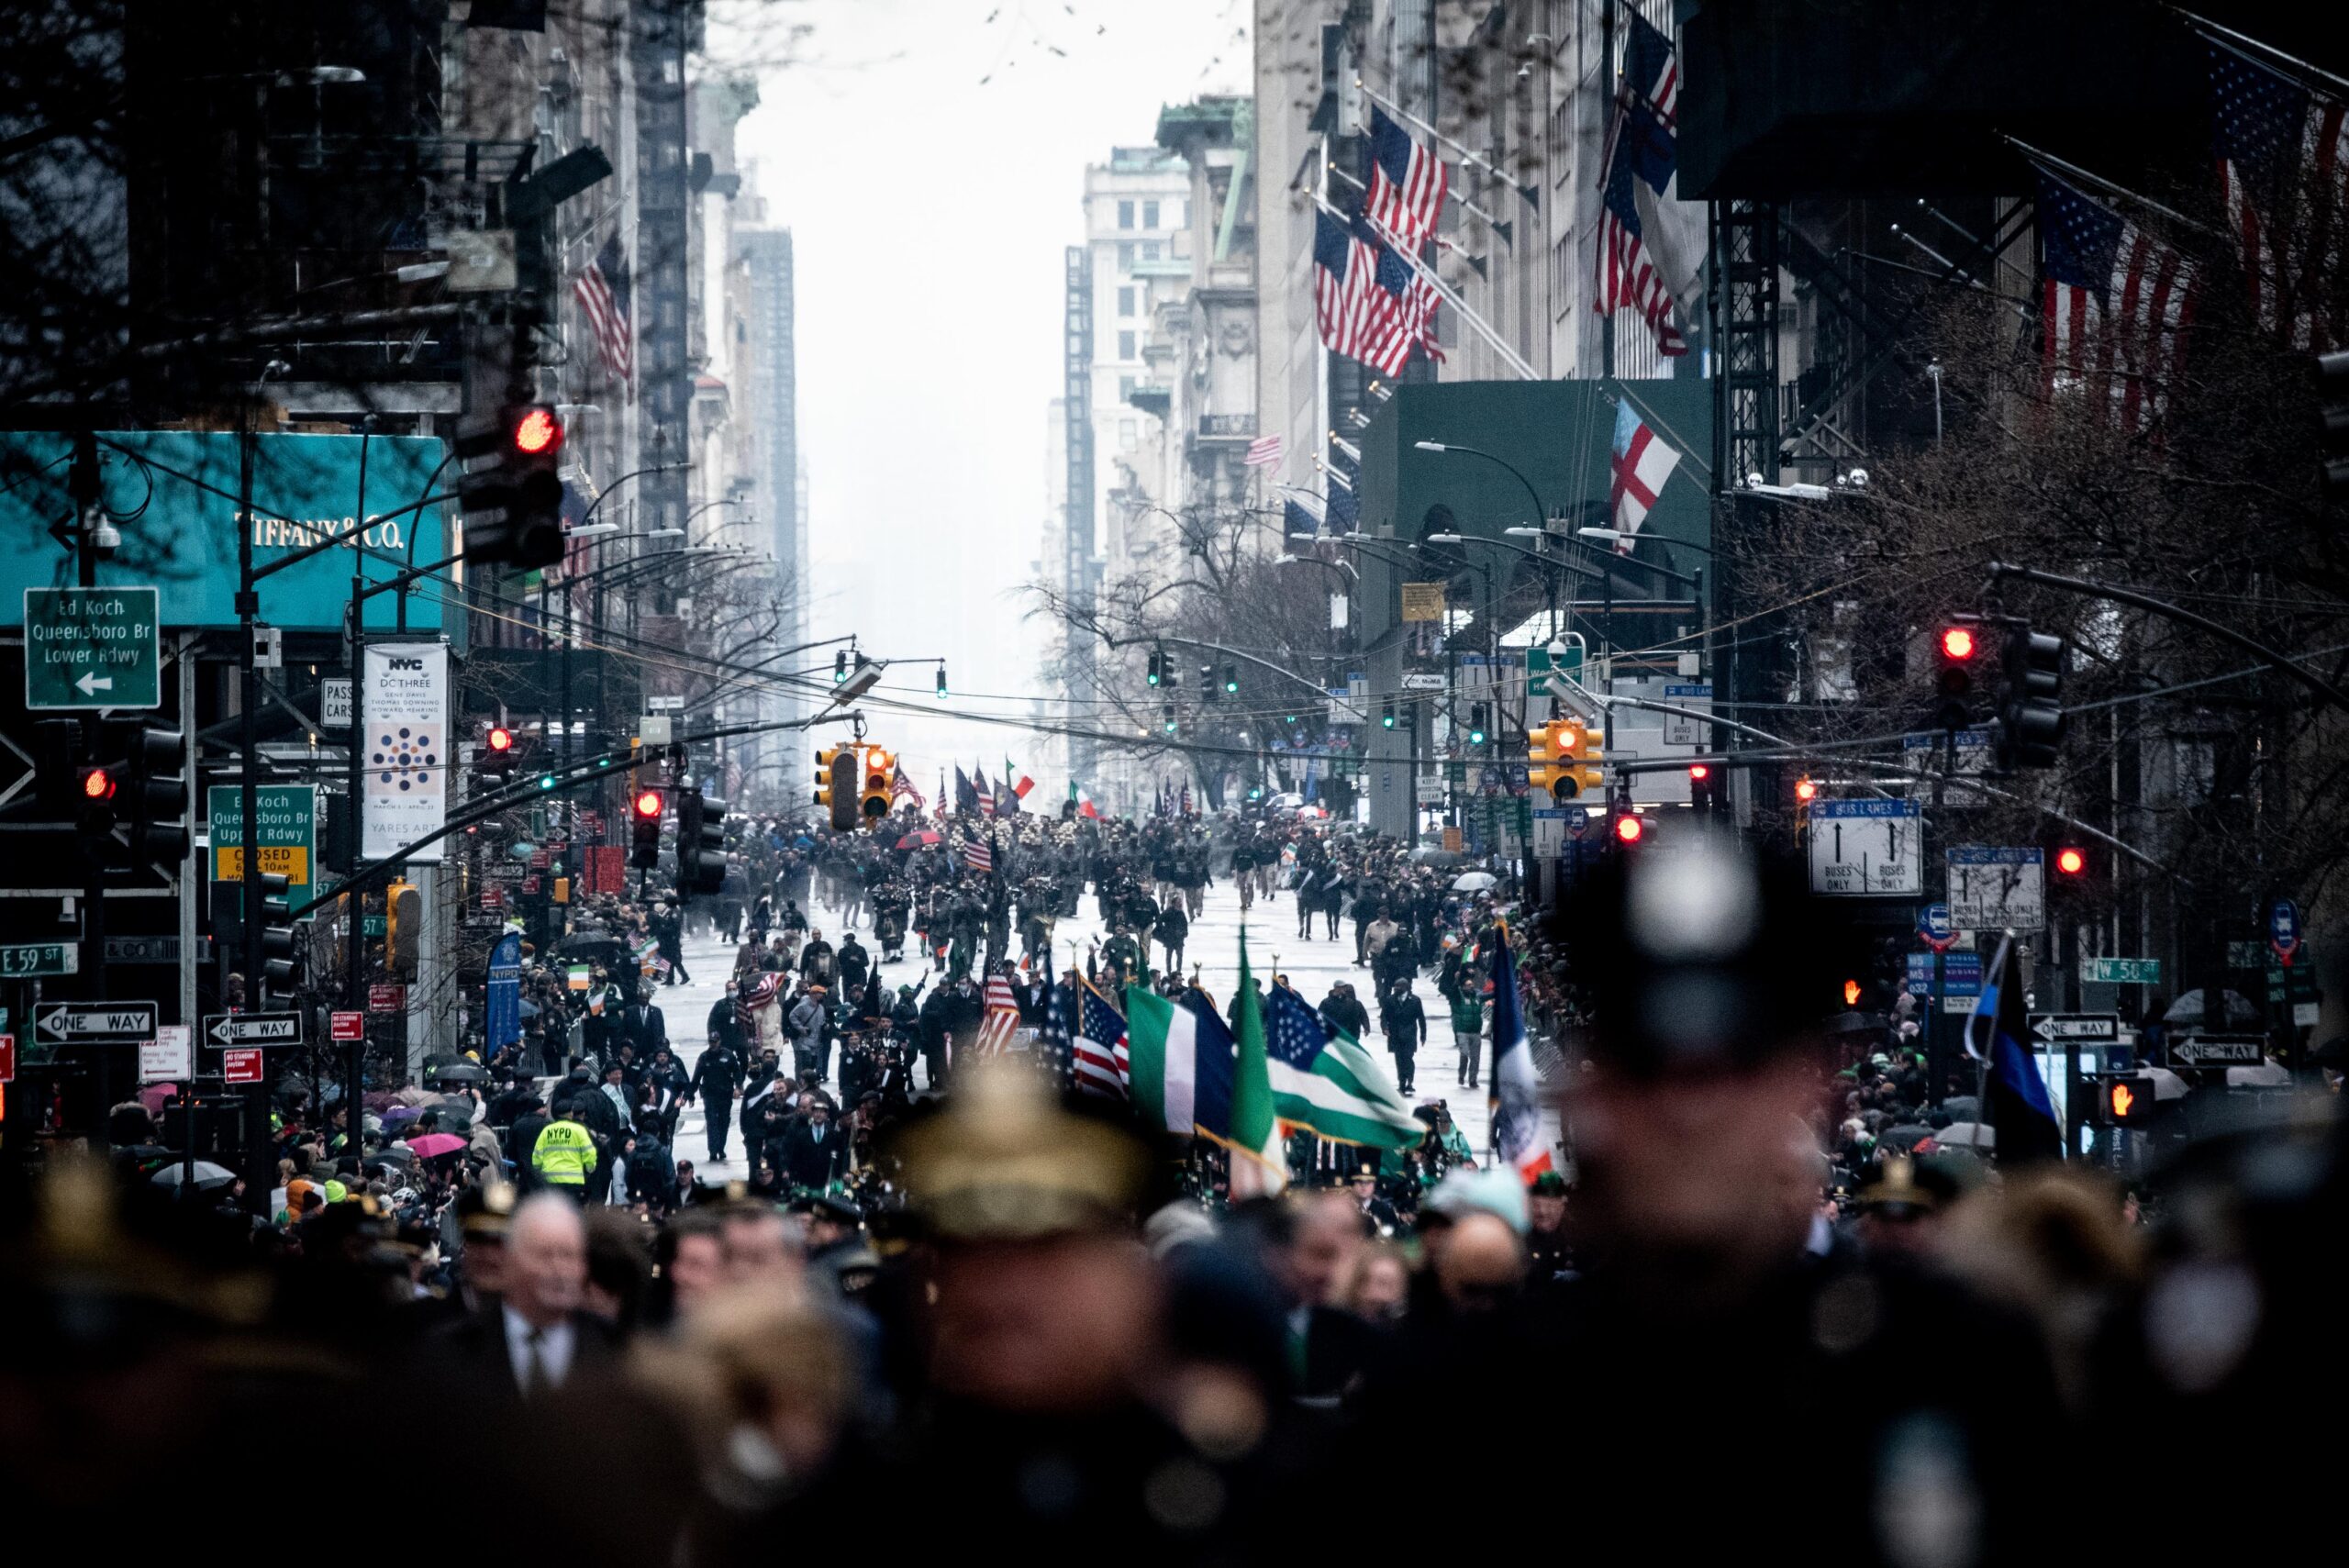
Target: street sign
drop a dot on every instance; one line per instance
(142, 950)
(392, 998)
(2218, 1050)
(93, 648)
(373, 924)
(1683, 731)
(253, 1028)
(241, 1066)
(2246, 955)
(2122, 972)
(1993, 889)
(2284, 928)
(94, 1023)
(2089, 1028)
(1422, 681)
(1961, 974)
(334, 703)
(344, 1028)
(21, 961)
(170, 1054)
(1867, 849)
(1933, 928)
(1925, 752)
(288, 835)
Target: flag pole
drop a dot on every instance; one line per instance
(1507, 231)
(2042, 156)
(1443, 291)
(2244, 44)
(1531, 195)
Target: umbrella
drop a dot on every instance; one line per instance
(446, 1103)
(395, 1154)
(207, 1175)
(461, 1073)
(434, 1144)
(1907, 1135)
(154, 1096)
(2267, 1075)
(1474, 882)
(920, 839)
(1429, 855)
(399, 1114)
(2192, 1007)
(2167, 1086)
(1962, 1107)
(1968, 1135)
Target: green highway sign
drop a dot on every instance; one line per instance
(91, 648)
(22, 961)
(2122, 972)
(288, 838)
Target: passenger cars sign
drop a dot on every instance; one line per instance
(93, 648)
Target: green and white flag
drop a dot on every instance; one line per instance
(1324, 1080)
(1259, 1164)
(1181, 1061)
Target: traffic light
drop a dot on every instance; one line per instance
(2030, 710)
(1704, 789)
(1387, 715)
(496, 760)
(1628, 827)
(701, 840)
(2332, 397)
(158, 801)
(1583, 756)
(1231, 679)
(403, 928)
(1477, 714)
(645, 809)
(1168, 719)
(511, 489)
(1207, 683)
(281, 958)
(836, 781)
(839, 668)
(2071, 861)
(2129, 1101)
(880, 779)
(1541, 761)
(1805, 793)
(1954, 649)
(942, 682)
(93, 795)
(1156, 674)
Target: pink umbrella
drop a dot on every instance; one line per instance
(433, 1144)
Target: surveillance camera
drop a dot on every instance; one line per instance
(1859, 479)
(1754, 480)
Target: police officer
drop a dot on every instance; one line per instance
(717, 1077)
(564, 1155)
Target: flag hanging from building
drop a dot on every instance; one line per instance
(1516, 1088)
(1407, 319)
(1001, 1017)
(1407, 182)
(1349, 307)
(1642, 151)
(1341, 512)
(2117, 304)
(1297, 521)
(2284, 171)
(602, 294)
(2021, 1111)
(1323, 1080)
(1097, 1050)
(1264, 451)
(1639, 466)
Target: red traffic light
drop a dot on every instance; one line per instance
(648, 803)
(2070, 861)
(501, 740)
(1957, 642)
(537, 432)
(1699, 773)
(1805, 789)
(1628, 829)
(96, 784)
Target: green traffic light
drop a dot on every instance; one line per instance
(1288, 718)
(547, 781)
(1475, 738)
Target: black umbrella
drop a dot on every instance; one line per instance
(461, 1073)
(2193, 1007)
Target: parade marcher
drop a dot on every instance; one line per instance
(716, 1077)
(1468, 1033)
(1404, 1022)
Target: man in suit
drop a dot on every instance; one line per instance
(642, 1025)
(814, 1151)
(533, 1341)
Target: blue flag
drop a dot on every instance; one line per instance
(2020, 1110)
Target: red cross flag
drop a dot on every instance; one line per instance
(1641, 464)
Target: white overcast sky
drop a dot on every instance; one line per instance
(930, 211)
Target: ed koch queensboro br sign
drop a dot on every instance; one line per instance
(91, 648)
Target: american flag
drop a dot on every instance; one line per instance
(1350, 309)
(2284, 168)
(1002, 1016)
(978, 856)
(1342, 513)
(1413, 323)
(2118, 302)
(1297, 520)
(985, 793)
(760, 993)
(1264, 451)
(1407, 182)
(1642, 147)
(1185, 807)
(902, 791)
(1098, 1046)
(602, 294)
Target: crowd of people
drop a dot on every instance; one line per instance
(1749, 1298)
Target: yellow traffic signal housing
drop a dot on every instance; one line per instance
(1541, 761)
(824, 755)
(403, 927)
(1576, 762)
(880, 779)
(838, 771)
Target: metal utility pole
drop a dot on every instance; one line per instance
(85, 489)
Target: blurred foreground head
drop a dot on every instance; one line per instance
(1039, 1284)
(1707, 976)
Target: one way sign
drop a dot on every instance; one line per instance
(94, 1022)
(254, 1029)
(2089, 1029)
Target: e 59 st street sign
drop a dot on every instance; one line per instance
(93, 648)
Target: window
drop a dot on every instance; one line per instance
(1125, 255)
(1125, 214)
(1150, 250)
(1126, 301)
(1149, 215)
(1126, 432)
(1125, 345)
(1126, 385)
